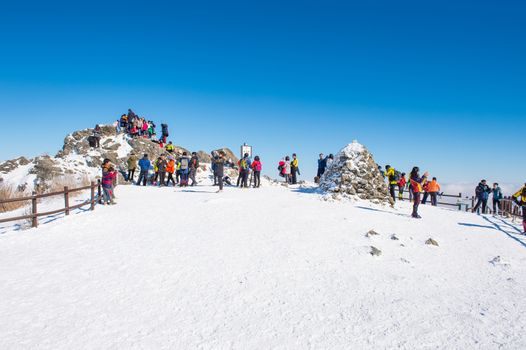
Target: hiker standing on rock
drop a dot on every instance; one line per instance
(97, 135)
(520, 199)
(145, 165)
(132, 165)
(322, 164)
(417, 182)
(164, 133)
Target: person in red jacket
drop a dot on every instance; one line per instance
(256, 167)
(401, 186)
(417, 183)
(425, 187)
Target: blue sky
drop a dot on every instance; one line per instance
(435, 84)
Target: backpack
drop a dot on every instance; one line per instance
(243, 164)
(397, 176)
(184, 163)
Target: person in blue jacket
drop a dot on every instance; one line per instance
(145, 165)
(497, 197)
(322, 164)
(245, 164)
(482, 193)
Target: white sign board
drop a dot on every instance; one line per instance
(246, 149)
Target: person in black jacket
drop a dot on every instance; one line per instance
(97, 135)
(219, 163)
(194, 164)
(164, 133)
(162, 163)
(482, 193)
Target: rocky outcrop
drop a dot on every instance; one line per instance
(77, 161)
(354, 174)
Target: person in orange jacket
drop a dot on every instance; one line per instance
(417, 183)
(170, 169)
(433, 188)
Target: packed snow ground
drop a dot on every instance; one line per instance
(273, 268)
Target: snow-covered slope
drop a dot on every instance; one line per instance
(270, 268)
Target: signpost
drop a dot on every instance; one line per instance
(246, 149)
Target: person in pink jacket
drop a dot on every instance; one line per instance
(256, 168)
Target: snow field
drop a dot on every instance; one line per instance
(273, 268)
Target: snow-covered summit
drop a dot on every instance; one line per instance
(78, 163)
(354, 174)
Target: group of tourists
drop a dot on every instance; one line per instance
(396, 181)
(137, 126)
(249, 171)
(161, 171)
(289, 169)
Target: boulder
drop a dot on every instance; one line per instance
(354, 174)
(372, 233)
(375, 251)
(431, 241)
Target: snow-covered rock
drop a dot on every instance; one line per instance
(78, 163)
(354, 174)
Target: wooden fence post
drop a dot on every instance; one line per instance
(92, 206)
(34, 212)
(66, 200)
(99, 191)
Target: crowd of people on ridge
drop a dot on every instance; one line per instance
(180, 168)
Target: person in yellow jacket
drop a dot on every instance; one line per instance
(169, 147)
(390, 174)
(520, 199)
(294, 169)
(178, 172)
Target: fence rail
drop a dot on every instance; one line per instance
(92, 201)
(507, 207)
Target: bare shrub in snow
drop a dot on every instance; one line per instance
(9, 192)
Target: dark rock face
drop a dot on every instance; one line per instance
(354, 174)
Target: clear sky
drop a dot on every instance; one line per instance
(439, 84)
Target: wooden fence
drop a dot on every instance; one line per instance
(507, 207)
(408, 196)
(92, 201)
